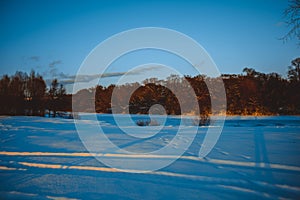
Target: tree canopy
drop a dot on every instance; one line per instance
(248, 93)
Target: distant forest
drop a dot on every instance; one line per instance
(249, 93)
(23, 94)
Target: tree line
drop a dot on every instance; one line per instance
(23, 94)
(249, 93)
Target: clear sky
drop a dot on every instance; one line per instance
(54, 37)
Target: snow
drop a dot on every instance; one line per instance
(254, 158)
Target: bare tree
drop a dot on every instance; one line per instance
(292, 15)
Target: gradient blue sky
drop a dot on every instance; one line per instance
(54, 37)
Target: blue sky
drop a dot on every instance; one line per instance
(54, 37)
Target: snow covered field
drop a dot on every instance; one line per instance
(255, 158)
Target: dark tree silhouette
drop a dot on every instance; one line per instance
(21, 94)
(4, 95)
(292, 15)
(58, 100)
(294, 70)
(53, 95)
(35, 91)
(16, 93)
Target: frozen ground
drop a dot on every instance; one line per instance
(255, 158)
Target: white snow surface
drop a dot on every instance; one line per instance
(255, 158)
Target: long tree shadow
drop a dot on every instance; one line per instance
(261, 156)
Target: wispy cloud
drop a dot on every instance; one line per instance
(54, 63)
(66, 79)
(70, 79)
(87, 78)
(146, 69)
(34, 58)
(90, 80)
(53, 72)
